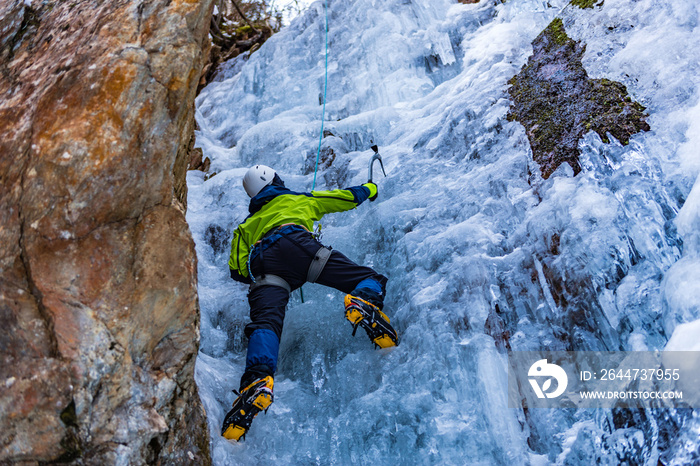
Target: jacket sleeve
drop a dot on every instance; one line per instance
(340, 200)
(238, 260)
(240, 278)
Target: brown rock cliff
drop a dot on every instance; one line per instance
(98, 299)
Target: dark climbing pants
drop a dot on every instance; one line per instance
(289, 257)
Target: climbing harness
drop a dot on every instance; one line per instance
(318, 263)
(269, 279)
(315, 268)
(266, 241)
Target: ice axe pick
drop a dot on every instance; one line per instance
(375, 157)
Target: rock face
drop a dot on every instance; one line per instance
(98, 299)
(557, 103)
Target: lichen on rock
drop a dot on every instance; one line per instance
(557, 103)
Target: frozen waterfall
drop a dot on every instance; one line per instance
(464, 222)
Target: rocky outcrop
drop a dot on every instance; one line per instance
(98, 299)
(557, 103)
(233, 35)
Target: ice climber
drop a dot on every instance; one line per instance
(275, 252)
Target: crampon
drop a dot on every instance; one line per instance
(251, 400)
(363, 314)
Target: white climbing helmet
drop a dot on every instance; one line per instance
(257, 178)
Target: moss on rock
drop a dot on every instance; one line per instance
(557, 103)
(587, 3)
(557, 32)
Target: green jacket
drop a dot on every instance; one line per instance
(276, 205)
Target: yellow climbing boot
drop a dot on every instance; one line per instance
(363, 314)
(251, 400)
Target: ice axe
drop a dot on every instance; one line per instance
(375, 157)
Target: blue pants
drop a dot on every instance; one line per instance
(289, 257)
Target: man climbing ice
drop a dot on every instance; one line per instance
(275, 252)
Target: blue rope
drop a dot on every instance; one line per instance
(325, 92)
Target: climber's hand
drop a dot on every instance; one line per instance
(373, 192)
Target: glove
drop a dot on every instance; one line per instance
(373, 191)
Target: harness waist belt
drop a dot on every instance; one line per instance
(317, 264)
(269, 279)
(315, 268)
